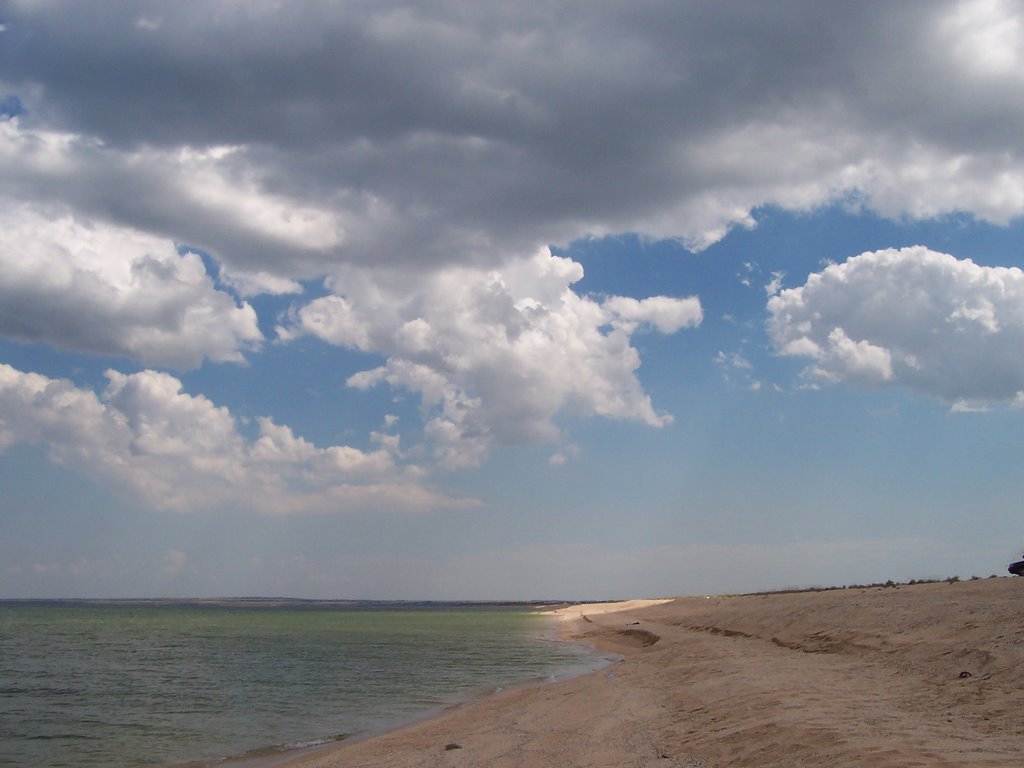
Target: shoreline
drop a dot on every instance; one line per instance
(912, 675)
(570, 623)
(560, 626)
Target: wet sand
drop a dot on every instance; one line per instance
(913, 675)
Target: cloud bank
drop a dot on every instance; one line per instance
(175, 451)
(289, 139)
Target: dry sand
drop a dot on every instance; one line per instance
(922, 675)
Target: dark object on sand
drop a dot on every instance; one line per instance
(1017, 569)
(452, 746)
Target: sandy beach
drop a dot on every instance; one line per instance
(911, 675)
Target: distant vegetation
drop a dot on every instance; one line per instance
(877, 584)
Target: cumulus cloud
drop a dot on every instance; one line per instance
(911, 317)
(181, 452)
(496, 355)
(92, 287)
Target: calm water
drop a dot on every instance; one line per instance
(86, 684)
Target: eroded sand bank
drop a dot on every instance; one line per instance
(922, 675)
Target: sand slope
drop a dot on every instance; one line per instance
(923, 675)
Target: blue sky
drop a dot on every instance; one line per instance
(517, 302)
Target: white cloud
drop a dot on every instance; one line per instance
(775, 284)
(496, 355)
(92, 287)
(736, 369)
(334, 320)
(235, 194)
(181, 452)
(857, 359)
(259, 282)
(912, 317)
(277, 446)
(663, 313)
(566, 454)
(214, 197)
(735, 360)
(986, 37)
(963, 406)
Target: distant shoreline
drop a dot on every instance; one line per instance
(547, 606)
(191, 601)
(278, 602)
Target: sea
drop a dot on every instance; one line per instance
(198, 683)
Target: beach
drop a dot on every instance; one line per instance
(906, 675)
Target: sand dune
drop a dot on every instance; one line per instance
(922, 675)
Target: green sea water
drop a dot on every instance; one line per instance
(169, 683)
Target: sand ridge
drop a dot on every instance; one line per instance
(922, 675)
(578, 610)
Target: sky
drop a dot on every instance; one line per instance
(559, 300)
